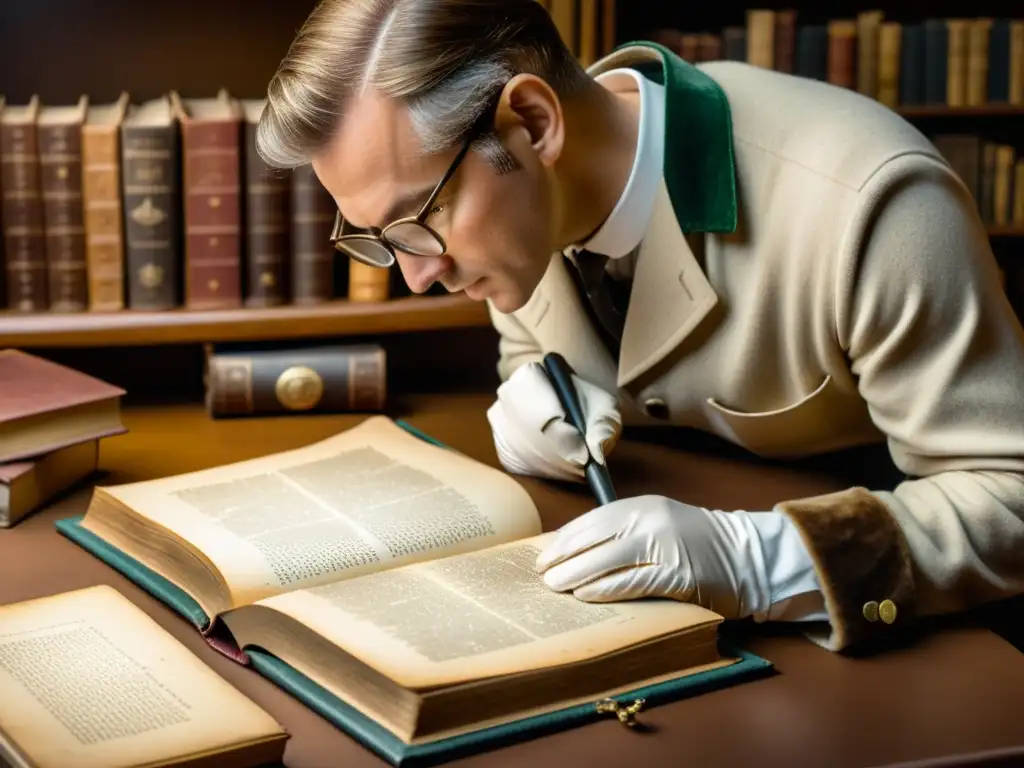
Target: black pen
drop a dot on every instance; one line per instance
(560, 374)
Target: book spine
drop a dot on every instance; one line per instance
(890, 36)
(936, 41)
(24, 239)
(151, 188)
(842, 53)
(956, 62)
(761, 38)
(211, 184)
(912, 58)
(313, 257)
(866, 65)
(999, 62)
(267, 232)
(60, 179)
(338, 379)
(734, 43)
(978, 32)
(812, 51)
(103, 212)
(785, 40)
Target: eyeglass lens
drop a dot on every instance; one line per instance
(411, 237)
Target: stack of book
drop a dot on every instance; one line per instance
(52, 419)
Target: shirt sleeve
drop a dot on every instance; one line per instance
(938, 354)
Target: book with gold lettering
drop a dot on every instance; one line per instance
(388, 582)
(88, 680)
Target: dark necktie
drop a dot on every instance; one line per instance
(607, 298)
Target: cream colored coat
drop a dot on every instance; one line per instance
(857, 300)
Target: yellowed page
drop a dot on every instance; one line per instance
(369, 498)
(88, 679)
(475, 615)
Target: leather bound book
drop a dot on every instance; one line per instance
(997, 89)
(313, 258)
(59, 136)
(24, 239)
(320, 379)
(785, 39)
(710, 46)
(368, 284)
(734, 43)
(911, 69)
(151, 185)
(890, 37)
(266, 221)
(956, 62)
(212, 189)
(25, 486)
(867, 52)
(45, 406)
(978, 31)
(936, 61)
(102, 204)
(761, 38)
(842, 53)
(811, 58)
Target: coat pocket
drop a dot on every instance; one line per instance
(824, 420)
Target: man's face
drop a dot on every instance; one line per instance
(499, 228)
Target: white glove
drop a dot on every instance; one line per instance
(532, 434)
(651, 546)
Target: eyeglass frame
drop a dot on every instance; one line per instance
(379, 235)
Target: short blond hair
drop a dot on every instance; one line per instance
(445, 59)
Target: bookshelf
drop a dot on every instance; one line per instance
(182, 326)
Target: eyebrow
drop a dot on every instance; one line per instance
(407, 204)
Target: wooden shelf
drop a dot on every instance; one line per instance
(983, 110)
(1007, 231)
(180, 326)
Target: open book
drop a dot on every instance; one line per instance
(89, 680)
(397, 576)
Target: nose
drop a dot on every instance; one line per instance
(421, 272)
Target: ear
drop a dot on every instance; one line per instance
(530, 112)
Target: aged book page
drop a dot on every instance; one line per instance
(476, 615)
(88, 679)
(370, 498)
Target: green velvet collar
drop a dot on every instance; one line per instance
(699, 166)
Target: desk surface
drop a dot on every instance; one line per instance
(957, 691)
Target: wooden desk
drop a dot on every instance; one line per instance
(955, 692)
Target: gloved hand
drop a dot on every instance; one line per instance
(651, 546)
(532, 434)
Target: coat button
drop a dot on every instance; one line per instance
(655, 408)
(870, 610)
(887, 611)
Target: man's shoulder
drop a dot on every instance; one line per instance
(813, 127)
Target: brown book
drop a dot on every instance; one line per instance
(313, 257)
(368, 284)
(24, 233)
(45, 406)
(785, 39)
(963, 152)
(608, 26)
(977, 61)
(211, 130)
(1002, 191)
(710, 46)
(761, 38)
(563, 14)
(868, 23)
(1018, 194)
(589, 33)
(956, 62)
(266, 220)
(689, 47)
(59, 136)
(151, 186)
(842, 53)
(890, 40)
(321, 379)
(26, 486)
(987, 182)
(1017, 61)
(89, 679)
(102, 204)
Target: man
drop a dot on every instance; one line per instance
(774, 260)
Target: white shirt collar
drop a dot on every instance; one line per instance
(625, 226)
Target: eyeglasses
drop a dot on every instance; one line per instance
(376, 247)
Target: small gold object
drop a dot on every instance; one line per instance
(299, 388)
(887, 611)
(626, 715)
(870, 610)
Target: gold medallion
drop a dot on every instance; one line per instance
(887, 611)
(299, 388)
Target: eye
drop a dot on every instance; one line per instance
(436, 209)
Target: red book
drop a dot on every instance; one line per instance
(45, 406)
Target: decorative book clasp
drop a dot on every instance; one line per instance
(626, 714)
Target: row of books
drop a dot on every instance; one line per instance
(953, 62)
(992, 171)
(160, 205)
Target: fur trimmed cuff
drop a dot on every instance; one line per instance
(862, 562)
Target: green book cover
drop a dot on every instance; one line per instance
(368, 732)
